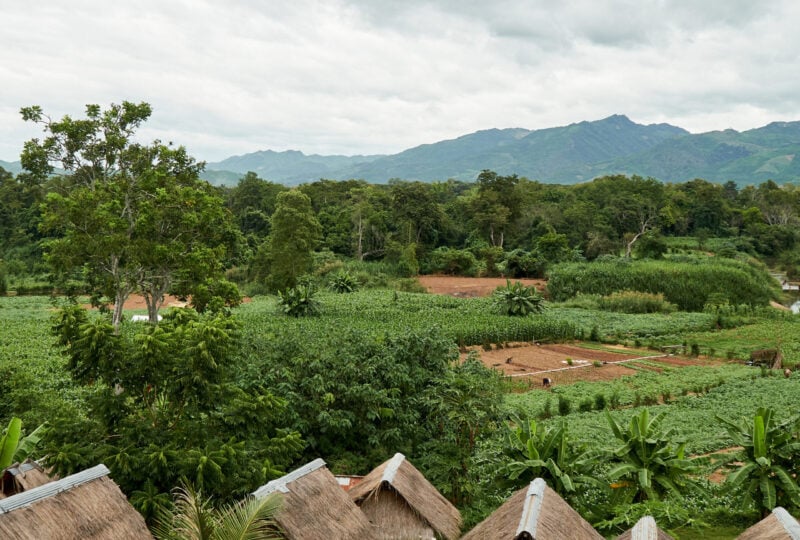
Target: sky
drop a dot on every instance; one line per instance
(379, 76)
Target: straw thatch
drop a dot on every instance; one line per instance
(645, 529)
(87, 505)
(402, 504)
(535, 512)
(779, 525)
(22, 477)
(315, 507)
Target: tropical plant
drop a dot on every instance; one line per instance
(14, 447)
(517, 299)
(769, 453)
(299, 301)
(648, 466)
(193, 518)
(343, 282)
(545, 453)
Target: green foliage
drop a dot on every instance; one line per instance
(130, 217)
(686, 284)
(445, 260)
(517, 300)
(635, 302)
(767, 461)
(162, 404)
(299, 301)
(294, 234)
(192, 517)
(343, 282)
(648, 464)
(544, 452)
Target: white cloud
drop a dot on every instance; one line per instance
(374, 76)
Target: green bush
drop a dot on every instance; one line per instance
(446, 260)
(299, 301)
(517, 299)
(564, 406)
(635, 302)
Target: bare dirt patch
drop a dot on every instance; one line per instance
(136, 301)
(467, 287)
(527, 362)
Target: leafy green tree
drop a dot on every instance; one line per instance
(647, 463)
(767, 460)
(295, 232)
(163, 404)
(192, 517)
(463, 407)
(132, 217)
(518, 300)
(496, 205)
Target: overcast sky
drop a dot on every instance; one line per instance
(380, 76)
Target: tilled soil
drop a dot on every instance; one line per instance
(467, 287)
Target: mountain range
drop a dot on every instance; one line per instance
(565, 155)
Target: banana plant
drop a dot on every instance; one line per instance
(14, 447)
(648, 462)
(545, 453)
(768, 453)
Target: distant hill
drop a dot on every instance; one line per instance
(11, 166)
(567, 155)
(290, 167)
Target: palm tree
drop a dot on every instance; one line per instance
(193, 518)
(769, 451)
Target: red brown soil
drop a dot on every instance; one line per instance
(136, 301)
(467, 287)
(533, 362)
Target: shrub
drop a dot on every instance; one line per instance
(600, 402)
(446, 260)
(299, 301)
(635, 302)
(585, 405)
(343, 282)
(564, 406)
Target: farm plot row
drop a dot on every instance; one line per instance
(695, 395)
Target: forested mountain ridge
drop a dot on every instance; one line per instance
(566, 155)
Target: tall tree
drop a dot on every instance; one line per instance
(294, 233)
(132, 217)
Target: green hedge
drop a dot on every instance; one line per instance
(687, 283)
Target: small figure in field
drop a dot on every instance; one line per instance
(787, 373)
(509, 359)
(546, 382)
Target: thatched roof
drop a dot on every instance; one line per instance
(535, 512)
(22, 477)
(87, 505)
(315, 507)
(779, 525)
(645, 529)
(395, 495)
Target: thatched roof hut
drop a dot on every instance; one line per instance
(402, 504)
(535, 512)
(86, 505)
(22, 477)
(779, 525)
(314, 506)
(645, 529)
